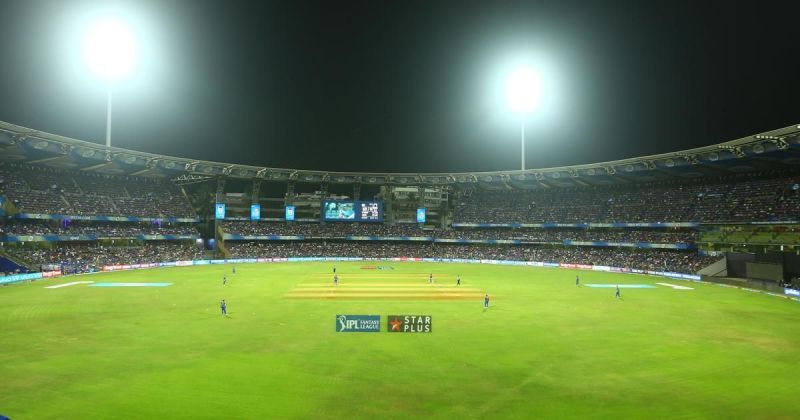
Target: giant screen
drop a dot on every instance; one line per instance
(352, 211)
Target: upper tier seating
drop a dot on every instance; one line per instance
(50, 191)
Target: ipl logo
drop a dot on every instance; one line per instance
(358, 323)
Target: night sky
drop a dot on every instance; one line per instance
(406, 86)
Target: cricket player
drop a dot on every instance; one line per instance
(223, 307)
(224, 279)
(486, 301)
(618, 295)
(334, 269)
(430, 278)
(577, 281)
(458, 280)
(234, 269)
(335, 279)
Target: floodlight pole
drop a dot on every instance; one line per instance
(108, 118)
(522, 133)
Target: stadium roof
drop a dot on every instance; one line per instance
(773, 150)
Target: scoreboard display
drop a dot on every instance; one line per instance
(352, 211)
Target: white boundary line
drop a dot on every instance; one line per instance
(68, 284)
(675, 286)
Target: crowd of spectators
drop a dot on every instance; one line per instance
(341, 230)
(327, 230)
(92, 257)
(558, 235)
(44, 190)
(101, 229)
(656, 260)
(731, 201)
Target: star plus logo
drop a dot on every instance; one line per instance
(409, 323)
(395, 324)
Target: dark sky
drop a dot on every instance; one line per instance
(408, 85)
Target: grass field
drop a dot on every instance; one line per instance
(544, 349)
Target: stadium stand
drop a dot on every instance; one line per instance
(35, 189)
(104, 229)
(83, 258)
(340, 230)
(732, 201)
(648, 213)
(645, 260)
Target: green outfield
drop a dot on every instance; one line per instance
(544, 349)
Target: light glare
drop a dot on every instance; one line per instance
(110, 49)
(523, 90)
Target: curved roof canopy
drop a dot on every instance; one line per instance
(772, 150)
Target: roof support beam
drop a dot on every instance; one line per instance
(93, 167)
(47, 159)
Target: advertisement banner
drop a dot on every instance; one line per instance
(14, 278)
(358, 323)
(289, 213)
(409, 323)
(255, 211)
(421, 213)
(47, 274)
(219, 211)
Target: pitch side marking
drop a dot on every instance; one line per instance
(68, 284)
(364, 284)
(676, 287)
(622, 286)
(131, 285)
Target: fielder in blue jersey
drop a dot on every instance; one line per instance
(223, 307)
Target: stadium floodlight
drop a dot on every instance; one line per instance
(110, 50)
(523, 90)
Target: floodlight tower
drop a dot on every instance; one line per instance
(523, 89)
(110, 51)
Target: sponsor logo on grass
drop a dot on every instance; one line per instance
(409, 323)
(358, 323)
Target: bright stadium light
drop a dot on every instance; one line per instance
(523, 91)
(110, 50)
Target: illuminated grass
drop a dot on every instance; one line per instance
(544, 349)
